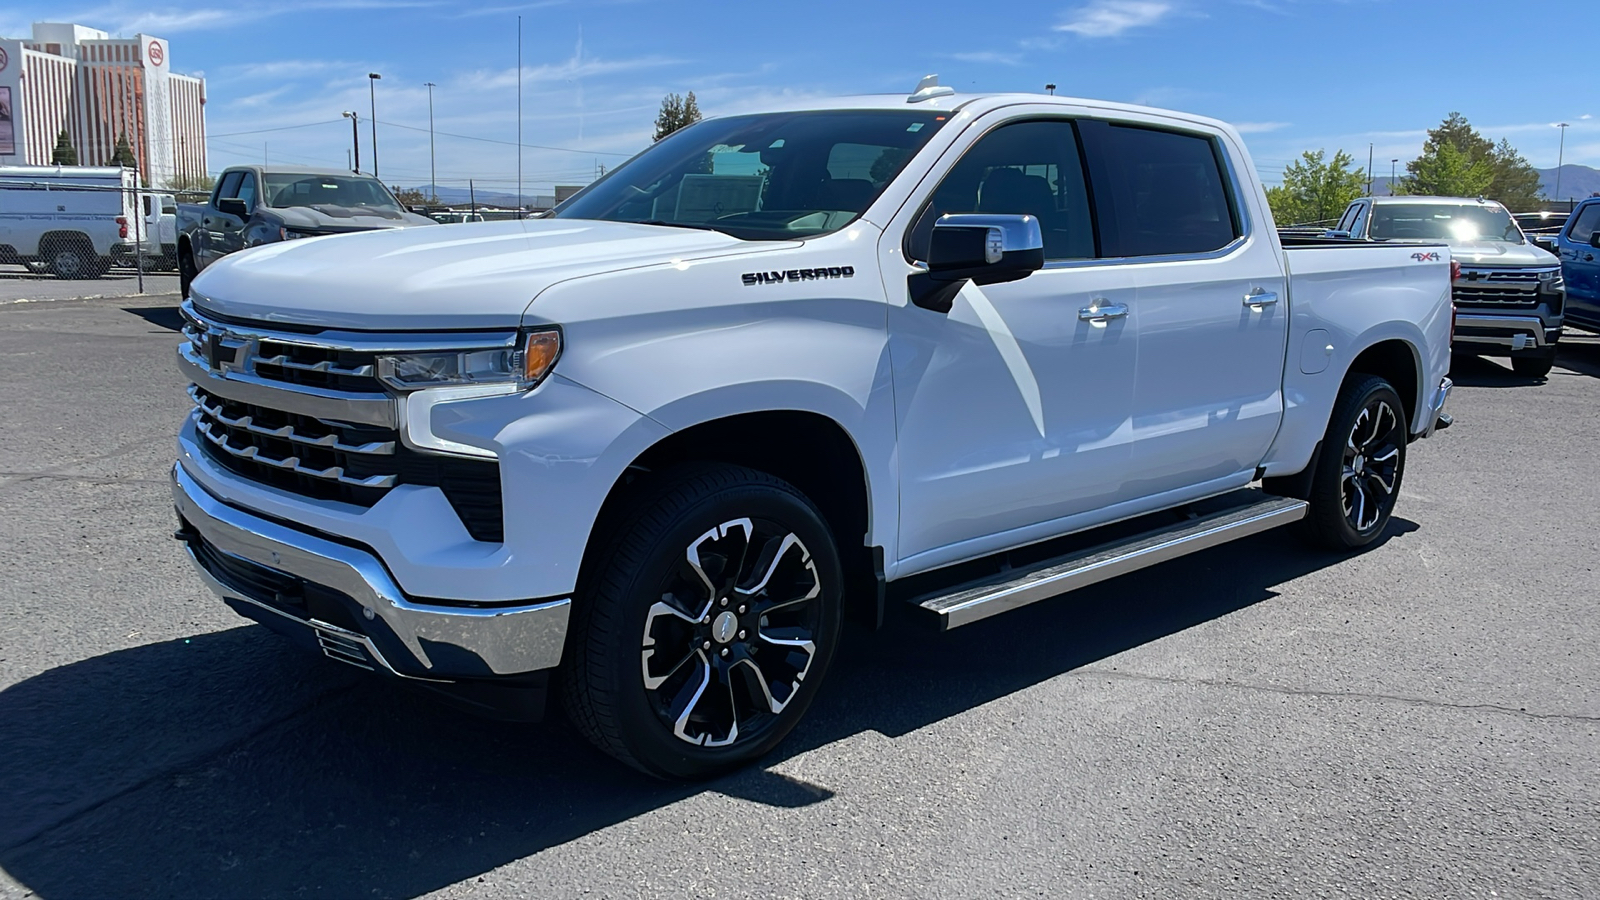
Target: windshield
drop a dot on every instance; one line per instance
(1443, 222)
(339, 196)
(776, 176)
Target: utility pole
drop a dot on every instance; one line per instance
(433, 169)
(1561, 157)
(355, 139)
(372, 93)
(1369, 169)
(519, 116)
(1392, 164)
(472, 197)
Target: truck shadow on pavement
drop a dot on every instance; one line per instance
(228, 764)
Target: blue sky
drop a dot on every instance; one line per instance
(1292, 74)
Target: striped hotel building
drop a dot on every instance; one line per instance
(98, 88)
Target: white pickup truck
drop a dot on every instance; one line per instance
(662, 443)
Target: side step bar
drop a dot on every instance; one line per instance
(967, 603)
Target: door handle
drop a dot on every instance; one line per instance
(1260, 300)
(1096, 312)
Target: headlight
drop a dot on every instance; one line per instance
(1551, 282)
(524, 365)
(285, 234)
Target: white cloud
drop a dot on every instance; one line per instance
(1110, 18)
(1258, 127)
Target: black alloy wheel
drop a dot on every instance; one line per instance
(732, 638)
(698, 640)
(1358, 472)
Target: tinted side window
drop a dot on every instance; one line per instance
(1585, 224)
(1159, 192)
(1027, 168)
(1360, 223)
(1348, 221)
(247, 191)
(229, 186)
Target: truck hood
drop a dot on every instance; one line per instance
(1500, 253)
(479, 275)
(345, 218)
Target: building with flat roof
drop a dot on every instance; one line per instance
(97, 89)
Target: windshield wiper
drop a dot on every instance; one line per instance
(695, 225)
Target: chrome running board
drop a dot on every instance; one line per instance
(967, 603)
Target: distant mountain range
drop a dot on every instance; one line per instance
(455, 196)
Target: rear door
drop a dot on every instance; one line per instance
(1211, 310)
(1579, 265)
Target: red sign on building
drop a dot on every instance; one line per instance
(155, 54)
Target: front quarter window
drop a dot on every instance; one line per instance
(775, 176)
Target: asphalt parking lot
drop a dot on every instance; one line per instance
(1260, 720)
(19, 284)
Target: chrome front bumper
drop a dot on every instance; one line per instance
(1513, 332)
(384, 630)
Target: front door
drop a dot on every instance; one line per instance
(1212, 307)
(1579, 265)
(1012, 409)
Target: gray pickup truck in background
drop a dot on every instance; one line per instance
(254, 205)
(1508, 292)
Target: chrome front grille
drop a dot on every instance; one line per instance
(307, 414)
(316, 450)
(1498, 288)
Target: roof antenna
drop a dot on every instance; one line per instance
(929, 88)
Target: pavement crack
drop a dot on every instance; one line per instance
(88, 806)
(1338, 695)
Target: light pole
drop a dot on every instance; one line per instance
(1561, 156)
(372, 94)
(355, 138)
(1392, 164)
(1051, 88)
(433, 169)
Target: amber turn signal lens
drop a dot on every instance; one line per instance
(539, 355)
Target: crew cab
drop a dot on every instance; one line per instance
(951, 353)
(254, 205)
(1509, 294)
(1578, 245)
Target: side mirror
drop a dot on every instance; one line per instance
(1594, 240)
(233, 206)
(1336, 234)
(983, 249)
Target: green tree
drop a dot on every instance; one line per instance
(190, 184)
(1516, 184)
(1476, 166)
(1316, 189)
(123, 154)
(64, 154)
(1445, 171)
(676, 112)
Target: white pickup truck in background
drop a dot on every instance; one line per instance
(73, 221)
(958, 352)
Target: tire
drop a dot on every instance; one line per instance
(186, 273)
(760, 636)
(71, 261)
(1534, 365)
(1357, 477)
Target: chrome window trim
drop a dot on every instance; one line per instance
(355, 341)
